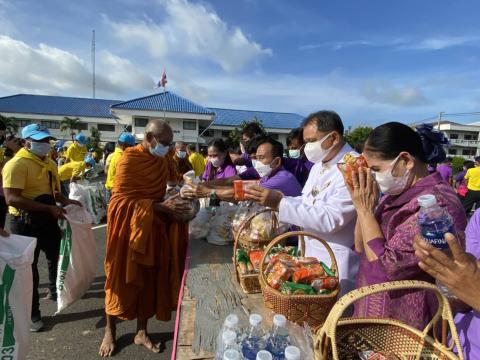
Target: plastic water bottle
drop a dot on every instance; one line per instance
(278, 339)
(231, 354)
(434, 221)
(229, 342)
(264, 355)
(254, 341)
(230, 323)
(292, 353)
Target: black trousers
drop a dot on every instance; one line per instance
(3, 211)
(472, 197)
(48, 241)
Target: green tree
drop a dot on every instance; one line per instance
(93, 141)
(235, 135)
(10, 123)
(357, 137)
(457, 164)
(70, 124)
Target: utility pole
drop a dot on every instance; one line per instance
(440, 119)
(93, 62)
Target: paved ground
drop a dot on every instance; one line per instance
(77, 332)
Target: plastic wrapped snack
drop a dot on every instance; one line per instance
(239, 187)
(244, 210)
(351, 164)
(261, 226)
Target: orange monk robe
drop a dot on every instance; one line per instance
(145, 251)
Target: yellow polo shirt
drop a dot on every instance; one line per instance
(198, 163)
(71, 169)
(25, 174)
(473, 178)
(112, 168)
(76, 152)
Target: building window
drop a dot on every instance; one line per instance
(106, 127)
(189, 125)
(453, 136)
(225, 133)
(468, 152)
(208, 133)
(273, 136)
(452, 151)
(23, 122)
(51, 124)
(82, 126)
(141, 121)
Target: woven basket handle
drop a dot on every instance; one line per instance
(243, 226)
(301, 235)
(328, 331)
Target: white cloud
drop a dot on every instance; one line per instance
(439, 43)
(385, 93)
(191, 30)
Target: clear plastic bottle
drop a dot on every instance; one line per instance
(230, 323)
(231, 354)
(292, 353)
(229, 342)
(255, 339)
(278, 339)
(264, 355)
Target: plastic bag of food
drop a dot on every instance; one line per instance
(92, 198)
(221, 224)
(199, 226)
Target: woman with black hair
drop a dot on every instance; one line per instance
(397, 158)
(219, 164)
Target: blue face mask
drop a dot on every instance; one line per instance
(182, 154)
(159, 150)
(40, 149)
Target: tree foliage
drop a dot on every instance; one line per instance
(70, 124)
(93, 141)
(235, 136)
(11, 124)
(357, 137)
(457, 163)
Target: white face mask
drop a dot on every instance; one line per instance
(314, 151)
(389, 184)
(159, 150)
(40, 149)
(181, 154)
(241, 169)
(294, 154)
(217, 161)
(262, 169)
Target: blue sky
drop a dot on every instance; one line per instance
(371, 61)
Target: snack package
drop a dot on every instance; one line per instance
(326, 283)
(261, 226)
(245, 209)
(328, 271)
(351, 165)
(291, 288)
(255, 257)
(239, 187)
(244, 263)
(306, 274)
(280, 272)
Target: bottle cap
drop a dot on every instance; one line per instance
(292, 353)
(255, 319)
(231, 354)
(264, 355)
(427, 200)
(279, 320)
(229, 337)
(231, 321)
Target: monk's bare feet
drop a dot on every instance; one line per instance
(142, 339)
(108, 344)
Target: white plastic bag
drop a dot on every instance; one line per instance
(16, 284)
(76, 263)
(91, 196)
(221, 224)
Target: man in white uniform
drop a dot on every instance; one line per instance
(325, 206)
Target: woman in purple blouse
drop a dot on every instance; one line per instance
(219, 164)
(385, 230)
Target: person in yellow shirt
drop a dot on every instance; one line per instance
(73, 170)
(196, 160)
(78, 150)
(472, 177)
(32, 190)
(125, 140)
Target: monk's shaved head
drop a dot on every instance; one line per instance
(157, 131)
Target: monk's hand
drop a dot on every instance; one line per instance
(365, 192)
(4, 233)
(173, 206)
(266, 197)
(195, 191)
(459, 272)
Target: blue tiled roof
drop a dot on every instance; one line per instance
(228, 117)
(167, 101)
(56, 105)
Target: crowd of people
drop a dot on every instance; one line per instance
(369, 219)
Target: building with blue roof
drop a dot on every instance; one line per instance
(187, 118)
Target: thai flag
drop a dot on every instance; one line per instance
(163, 81)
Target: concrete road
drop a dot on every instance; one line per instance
(76, 333)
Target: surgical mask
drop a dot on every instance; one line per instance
(159, 150)
(314, 151)
(40, 149)
(182, 154)
(217, 161)
(241, 169)
(294, 154)
(389, 184)
(262, 169)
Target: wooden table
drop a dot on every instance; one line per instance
(217, 259)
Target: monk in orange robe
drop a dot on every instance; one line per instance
(146, 248)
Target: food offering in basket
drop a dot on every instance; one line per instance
(351, 164)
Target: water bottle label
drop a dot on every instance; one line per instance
(437, 238)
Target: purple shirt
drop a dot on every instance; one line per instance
(468, 324)
(248, 161)
(460, 178)
(445, 172)
(224, 171)
(300, 168)
(249, 174)
(283, 181)
(397, 217)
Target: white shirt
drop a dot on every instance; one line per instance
(326, 209)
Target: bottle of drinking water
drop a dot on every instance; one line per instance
(264, 355)
(230, 323)
(254, 341)
(231, 354)
(278, 339)
(434, 223)
(229, 342)
(292, 353)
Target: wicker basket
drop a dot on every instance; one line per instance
(249, 282)
(312, 309)
(345, 338)
(242, 236)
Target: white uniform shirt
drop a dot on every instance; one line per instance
(326, 209)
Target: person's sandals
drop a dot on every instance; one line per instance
(36, 326)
